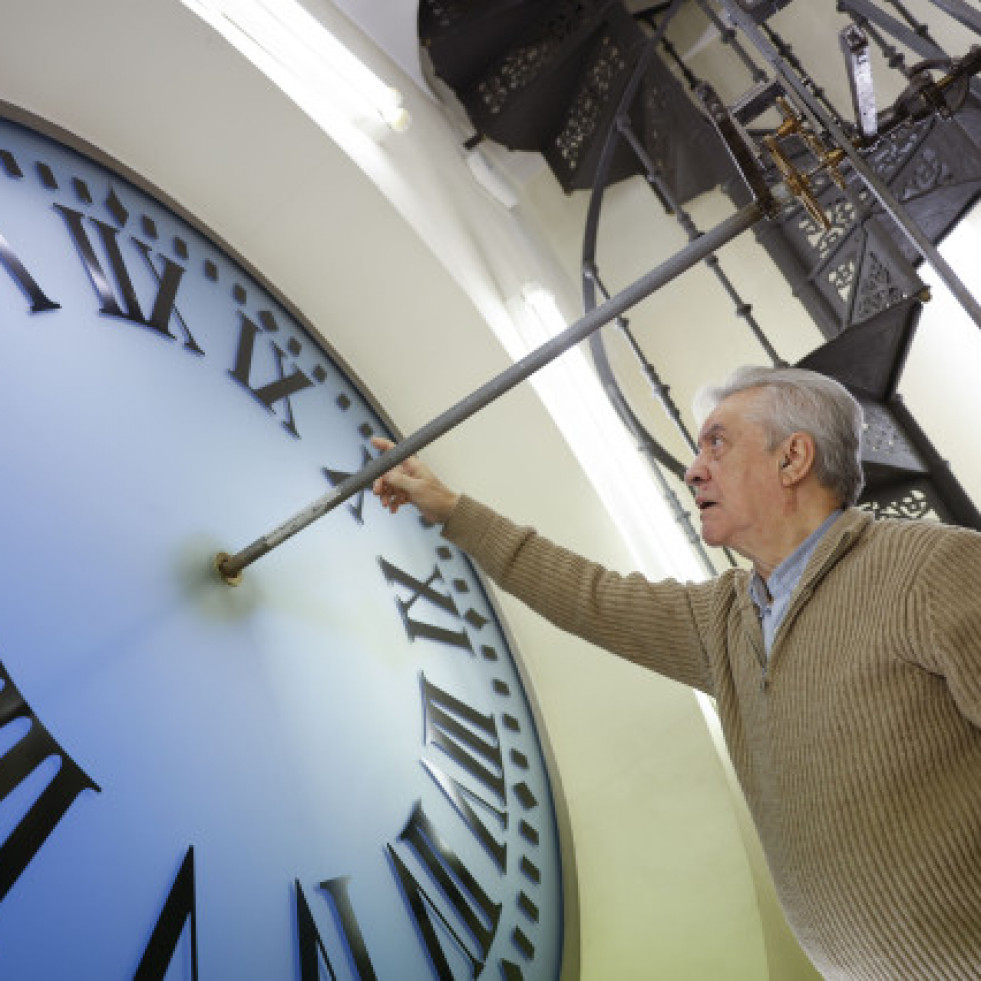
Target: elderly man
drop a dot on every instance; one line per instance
(846, 666)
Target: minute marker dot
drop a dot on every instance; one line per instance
(82, 191)
(9, 163)
(528, 833)
(525, 796)
(116, 208)
(527, 907)
(47, 177)
(475, 619)
(523, 944)
(531, 870)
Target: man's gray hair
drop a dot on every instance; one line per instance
(797, 400)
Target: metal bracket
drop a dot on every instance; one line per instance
(855, 47)
(740, 147)
(797, 184)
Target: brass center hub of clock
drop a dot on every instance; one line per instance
(218, 563)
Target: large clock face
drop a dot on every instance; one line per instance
(331, 769)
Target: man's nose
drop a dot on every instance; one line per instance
(695, 473)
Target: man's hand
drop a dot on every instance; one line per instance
(412, 482)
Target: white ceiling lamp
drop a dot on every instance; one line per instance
(543, 319)
(299, 55)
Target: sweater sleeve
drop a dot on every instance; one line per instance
(652, 624)
(952, 584)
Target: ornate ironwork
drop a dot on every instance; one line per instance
(884, 441)
(857, 267)
(445, 14)
(590, 106)
(526, 62)
(911, 501)
(877, 289)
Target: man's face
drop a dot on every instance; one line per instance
(736, 479)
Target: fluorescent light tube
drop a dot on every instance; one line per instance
(296, 52)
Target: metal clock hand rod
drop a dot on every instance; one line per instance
(230, 567)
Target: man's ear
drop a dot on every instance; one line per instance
(796, 459)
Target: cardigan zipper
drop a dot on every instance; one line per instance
(804, 594)
(764, 667)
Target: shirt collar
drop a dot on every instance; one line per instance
(784, 578)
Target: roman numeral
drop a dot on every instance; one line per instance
(470, 740)
(471, 906)
(336, 477)
(18, 272)
(16, 765)
(280, 388)
(178, 909)
(425, 591)
(115, 289)
(310, 942)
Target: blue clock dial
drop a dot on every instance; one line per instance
(332, 769)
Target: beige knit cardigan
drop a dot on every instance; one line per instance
(857, 746)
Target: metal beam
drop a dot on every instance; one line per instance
(961, 12)
(230, 567)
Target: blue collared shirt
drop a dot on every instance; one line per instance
(782, 583)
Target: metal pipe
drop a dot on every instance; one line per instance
(230, 567)
(962, 12)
